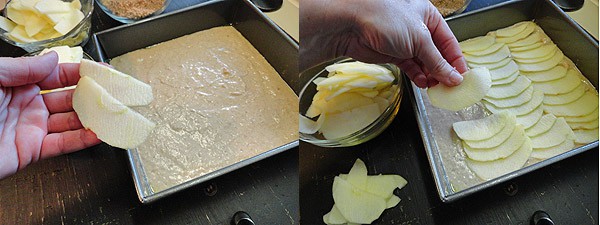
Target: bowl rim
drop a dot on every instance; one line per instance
(128, 20)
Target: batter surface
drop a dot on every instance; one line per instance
(217, 101)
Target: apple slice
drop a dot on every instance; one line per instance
(513, 29)
(491, 66)
(531, 118)
(498, 138)
(507, 148)
(534, 37)
(558, 133)
(481, 129)
(523, 34)
(358, 174)
(505, 71)
(556, 72)
(6, 24)
(345, 123)
(560, 86)
(67, 24)
(540, 52)
(113, 122)
(491, 58)
(474, 87)
(544, 65)
(506, 80)
(586, 136)
(518, 100)
(66, 54)
(476, 44)
(544, 153)
(123, 87)
(526, 47)
(308, 126)
(542, 126)
(488, 170)
(493, 48)
(585, 118)
(334, 217)
(392, 202)
(356, 205)
(509, 90)
(534, 103)
(538, 59)
(565, 98)
(53, 6)
(584, 125)
(384, 185)
(582, 106)
(345, 102)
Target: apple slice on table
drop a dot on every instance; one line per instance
(334, 217)
(113, 122)
(474, 87)
(505, 149)
(125, 88)
(488, 170)
(356, 205)
(481, 129)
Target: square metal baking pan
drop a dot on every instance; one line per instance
(278, 48)
(575, 42)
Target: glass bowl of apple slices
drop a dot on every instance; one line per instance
(349, 102)
(37, 24)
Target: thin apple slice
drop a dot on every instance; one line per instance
(540, 52)
(481, 129)
(585, 118)
(542, 126)
(560, 86)
(476, 44)
(565, 98)
(513, 29)
(498, 138)
(557, 134)
(357, 68)
(113, 122)
(474, 87)
(358, 174)
(490, 58)
(523, 34)
(586, 136)
(544, 65)
(509, 90)
(488, 170)
(491, 66)
(345, 123)
(556, 72)
(526, 47)
(545, 153)
(506, 80)
(66, 54)
(505, 71)
(335, 82)
(334, 217)
(345, 102)
(507, 148)
(123, 87)
(584, 125)
(392, 202)
(495, 47)
(580, 107)
(6, 24)
(518, 100)
(530, 119)
(384, 185)
(536, 100)
(537, 60)
(534, 37)
(356, 205)
(308, 126)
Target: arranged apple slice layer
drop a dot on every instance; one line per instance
(511, 78)
(491, 66)
(530, 119)
(580, 107)
(508, 147)
(558, 133)
(562, 85)
(542, 126)
(585, 118)
(513, 29)
(529, 28)
(488, 170)
(476, 44)
(546, 75)
(544, 153)
(532, 104)
(518, 100)
(112, 121)
(493, 57)
(556, 58)
(361, 199)
(510, 89)
(585, 136)
(475, 85)
(481, 129)
(561, 99)
(505, 71)
(533, 38)
(498, 138)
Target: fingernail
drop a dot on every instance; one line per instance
(455, 78)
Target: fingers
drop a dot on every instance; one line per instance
(61, 122)
(26, 70)
(67, 75)
(66, 142)
(414, 72)
(58, 102)
(446, 42)
(438, 67)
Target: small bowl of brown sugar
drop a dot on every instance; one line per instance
(450, 7)
(129, 11)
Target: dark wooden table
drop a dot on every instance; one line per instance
(94, 186)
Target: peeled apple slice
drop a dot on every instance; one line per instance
(584, 125)
(506, 80)
(582, 106)
(6, 24)
(358, 174)
(125, 88)
(491, 58)
(334, 217)
(585, 118)
(537, 59)
(308, 126)
(533, 38)
(531, 118)
(545, 153)
(384, 185)
(509, 90)
(542, 126)
(586, 136)
(526, 47)
(544, 65)
(546, 75)
(560, 86)
(523, 34)
(498, 138)
(540, 52)
(504, 150)
(345, 102)
(495, 47)
(476, 44)
(513, 29)
(345, 123)
(113, 122)
(488, 170)
(518, 100)
(491, 66)
(481, 129)
(558, 133)
(534, 103)
(565, 98)
(66, 54)
(356, 205)
(474, 87)
(505, 71)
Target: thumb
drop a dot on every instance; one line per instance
(26, 70)
(438, 67)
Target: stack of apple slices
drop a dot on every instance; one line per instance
(66, 54)
(37, 20)
(351, 97)
(494, 145)
(361, 199)
(101, 101)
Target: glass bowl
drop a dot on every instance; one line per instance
(79, 35)
(363, 135)
(450, 7)
(114, 13)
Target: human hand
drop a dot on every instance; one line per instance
(409, 33)
(34, 126)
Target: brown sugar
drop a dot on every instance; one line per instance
(448, 7)
(133, 9)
